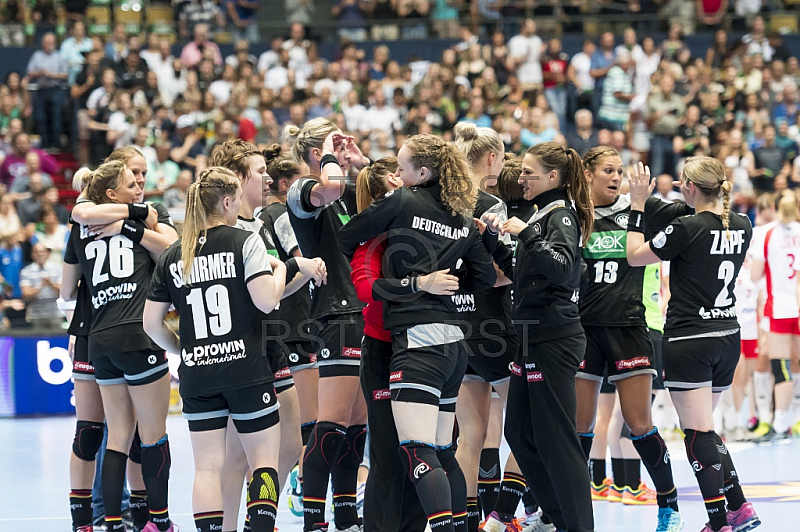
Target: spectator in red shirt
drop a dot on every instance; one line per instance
(14, 163)
(710, 12)
(554, 71)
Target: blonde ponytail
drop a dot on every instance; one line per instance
(371, 181)
(787, 207)
(708, 175)
(81, 179)
(202, 204)
(726, 188)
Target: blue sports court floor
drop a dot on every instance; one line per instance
(34, 456)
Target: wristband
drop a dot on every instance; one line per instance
(65, 306)
(138, 211)
(636, 222)
(132, 230)
(328, 158)
(291, 269)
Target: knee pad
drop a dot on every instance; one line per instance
(357, 436)
(447, 457)
(780, 370)
(88, 439)
(135, 452)
(156, 459)
(324, 444)
(701, 450)
(264, 486)
(306, 429)
(419, 459)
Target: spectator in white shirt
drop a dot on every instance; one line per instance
(40, 282)
(381, 117)
(665, 191)
(271, 57)
(221, 88)
(525, 51)
(354, 113)
(646, 65)
(298, 46)
(120, 124)
(580, 77)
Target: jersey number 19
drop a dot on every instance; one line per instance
(217, 303)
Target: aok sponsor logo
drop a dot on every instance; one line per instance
(607, 245)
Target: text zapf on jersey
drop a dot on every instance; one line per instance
(727, 242)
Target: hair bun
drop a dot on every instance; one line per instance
(465, 130)
(272, 153)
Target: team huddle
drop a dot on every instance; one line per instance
(407, 314)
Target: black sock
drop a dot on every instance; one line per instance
(263, 492)
(473, 514)
(586, 442)
(511, 491)
(733, 490)
(344, 477)
(458, 486)
(597, 468)
(156, 462)
(529, 501)
(246, 526)
(633, 472)
(618, 472)
(113, 478)
(489, 476)
(322, 452)
(703, 455)
(80, 507)
(208, 521)
(431, 483)
(140, 513)
(655, 456)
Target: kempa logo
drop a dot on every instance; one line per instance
(151, 359)
(325, 353)
(696, 466)
(266, 398)
(294, 357)
(622, 220)
(420, 470)
(607, 245)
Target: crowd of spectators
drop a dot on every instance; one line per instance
(653, 101)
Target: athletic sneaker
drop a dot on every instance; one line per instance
(796, 430)
(295, 493)
(531, 517)
(640, 496)
(744, 518)
(358, 527)
(669, 520)
(762, 429)
(739, 434)
(615, 493)
(773, 436)
(600, 493)
(540, 526)
(318, 527)
(87, 528)
(708, 528)
(151, 527)
(494, 524)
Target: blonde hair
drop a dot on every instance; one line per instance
(553, 156)
(233, 154)
(124, 154)
(708, 175)
(786, 206)
(371, 181)
(202, 203)
(592, 157)
(312, 135)
(447, 165)
(475, 142)
(97, 182)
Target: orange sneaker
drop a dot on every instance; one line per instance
(615, 493)
(600, 493)
(641, 496)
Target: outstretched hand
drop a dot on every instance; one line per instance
(641, 186)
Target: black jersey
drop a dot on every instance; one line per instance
(487, 312)
(422, 236)
(317, 230)
(219, 351)
(704, 264)
(547, 274)
(295, 309)
(613, 296)
(117, 272)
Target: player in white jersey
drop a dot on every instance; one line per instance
(774, 254)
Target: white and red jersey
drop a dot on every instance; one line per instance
(778, 247)
(746, 292)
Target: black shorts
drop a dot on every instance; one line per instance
(301, 355)
(490, 359)
(134, 368)
(340, 345)
(621, 351)
(701, 362)
(427, 365)
(279, 364)
(252, 409)
(657, 339)
(82, 369)
(607, 387)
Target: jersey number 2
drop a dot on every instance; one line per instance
(120, 258)
(218, 305)
(725, 274)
